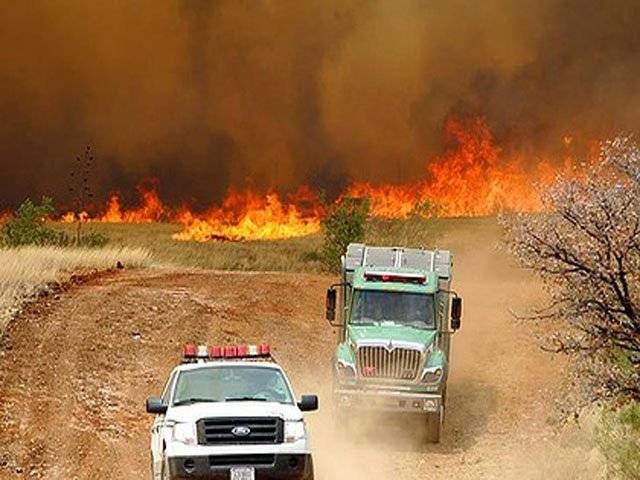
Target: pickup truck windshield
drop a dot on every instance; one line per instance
(231, 384)
(398, 308)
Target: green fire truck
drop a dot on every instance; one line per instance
(396, 316)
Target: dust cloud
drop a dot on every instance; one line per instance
(501, 420)
(207, 95)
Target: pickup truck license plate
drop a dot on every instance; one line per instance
(243, 473)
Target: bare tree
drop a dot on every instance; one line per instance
(586, 249)
(80, 188)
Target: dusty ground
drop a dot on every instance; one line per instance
(76, 368)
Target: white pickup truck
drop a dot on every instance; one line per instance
(229, 413)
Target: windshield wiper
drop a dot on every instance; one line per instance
(245, 399)
(191, 400)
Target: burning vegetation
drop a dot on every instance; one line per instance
(472, 178)
(347, 97)
(5, 215)
(249, 216)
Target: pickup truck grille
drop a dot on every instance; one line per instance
(395, 364)
(248, 430)
(252, 460)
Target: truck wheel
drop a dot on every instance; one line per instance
(434, 426)
(444, 403)
(310, 474)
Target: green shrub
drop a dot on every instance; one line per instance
(619, 438)
(28, 226)
(345, 223)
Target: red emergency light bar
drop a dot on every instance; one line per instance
(194, 353)
(395, 277)
(215, 351)
(190, 350)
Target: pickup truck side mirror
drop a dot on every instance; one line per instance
(456, 312)
(331, 304)
(309, 403)
(156, 406)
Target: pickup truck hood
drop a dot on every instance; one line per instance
(388, 335)
(196, 411)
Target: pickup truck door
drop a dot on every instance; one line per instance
(156, 446)
(157, 431)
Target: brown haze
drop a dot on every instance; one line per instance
(204, 95)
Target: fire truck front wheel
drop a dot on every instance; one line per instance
(433, 426)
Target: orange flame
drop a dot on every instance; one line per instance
(151, 210)
(71, 217)
(68, 217)
(247, 216)
(5, 215)
(473, 178)
(470, 180)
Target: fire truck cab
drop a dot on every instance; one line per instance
(229, 413)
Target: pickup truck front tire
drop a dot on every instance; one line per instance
(310, 473)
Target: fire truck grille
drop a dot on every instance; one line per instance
(240, 431)
(397, 364)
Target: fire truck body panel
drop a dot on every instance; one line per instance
(394, 345)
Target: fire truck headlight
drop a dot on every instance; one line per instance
(432, 375)
(345, 371)
(185, 433)
(294, 431)
(430, 406)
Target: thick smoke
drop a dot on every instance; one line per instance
(205, 95)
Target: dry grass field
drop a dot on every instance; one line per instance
(291, 255)
(24, 271)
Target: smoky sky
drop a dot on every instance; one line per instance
(207, 95)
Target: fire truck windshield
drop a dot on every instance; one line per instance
(372, 307)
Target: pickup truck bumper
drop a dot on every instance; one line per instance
(385, 400)
(218, 467)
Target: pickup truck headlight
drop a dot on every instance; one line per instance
(185, 433)
(432, 375)
(294, 431)
(345, 371)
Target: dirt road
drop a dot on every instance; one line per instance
(75, 370)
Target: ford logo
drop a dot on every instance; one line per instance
(240, 431)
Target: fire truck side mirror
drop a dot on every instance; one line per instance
(331, 304)
(456, 312)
